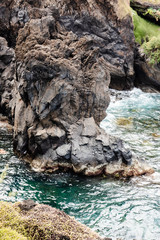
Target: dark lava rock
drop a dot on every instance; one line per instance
(7, 75)
(147, 76)
(66, 55)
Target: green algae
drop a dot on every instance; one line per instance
(155, 13)
(10, 220)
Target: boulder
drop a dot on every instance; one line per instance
(91, 151)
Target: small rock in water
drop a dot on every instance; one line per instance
(124, 121)
(155, 135)
(2, 151)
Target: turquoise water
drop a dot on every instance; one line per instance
(117, 209)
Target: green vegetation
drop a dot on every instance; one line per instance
(9, 234)
(10, 222)
(39, 223)
(147, 34)
(155, 13)
(152, 49)
(143, 29)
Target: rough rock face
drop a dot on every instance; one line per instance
(147, 76)
(7, 74)
(66, 53)
(107, 23)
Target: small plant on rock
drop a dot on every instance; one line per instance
(152, 50)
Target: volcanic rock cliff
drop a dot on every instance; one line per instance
(60, 59)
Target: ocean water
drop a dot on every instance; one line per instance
(114, 208)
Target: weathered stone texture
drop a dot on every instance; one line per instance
(7, 74)
(66, 54)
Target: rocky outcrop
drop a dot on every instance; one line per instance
(92, 152)
(108, 23)
(147, 76)
(29, 220)
(66, 54)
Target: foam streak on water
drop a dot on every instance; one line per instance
(126, 209)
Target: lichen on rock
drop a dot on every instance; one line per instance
(28, 220)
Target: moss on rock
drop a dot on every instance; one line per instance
(40, 222)
(10, 221)
(10, 234)
(144, 30)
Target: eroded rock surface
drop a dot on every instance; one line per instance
(7, 74)
(67, 52)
